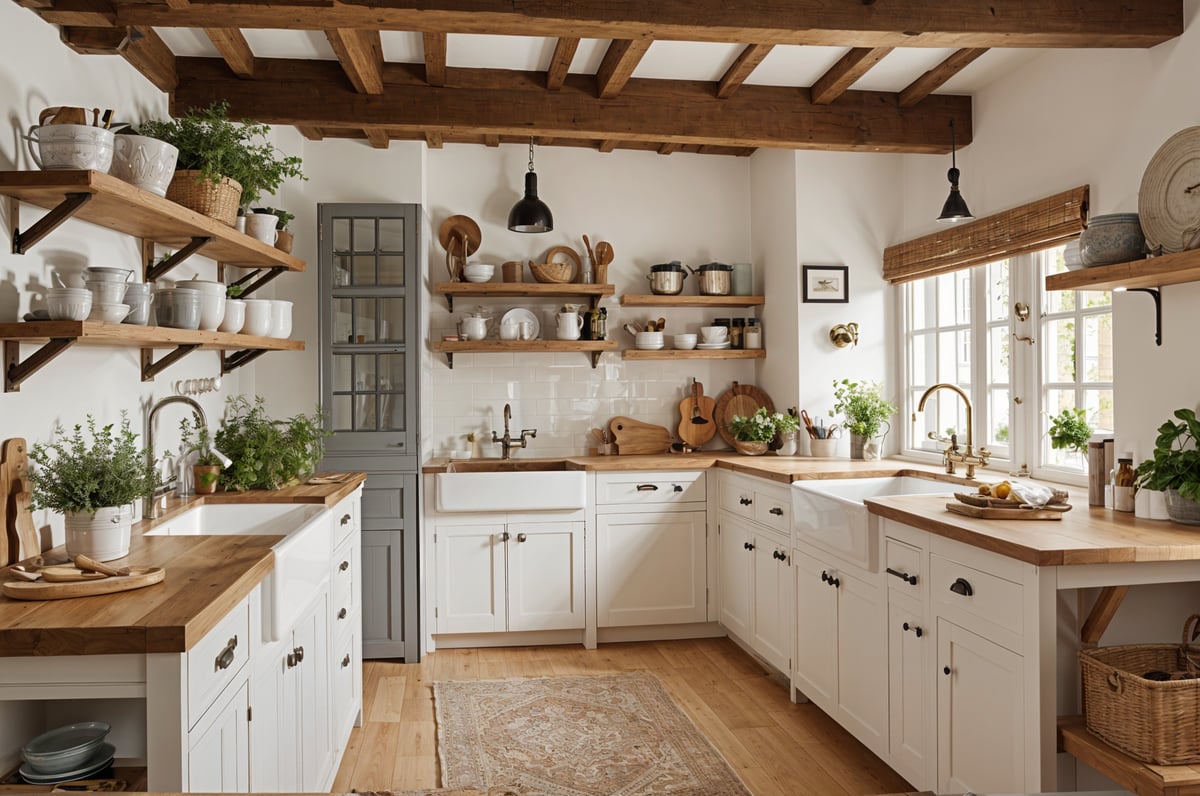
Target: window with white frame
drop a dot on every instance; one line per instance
(975, 329)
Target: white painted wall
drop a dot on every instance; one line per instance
(1088, 116)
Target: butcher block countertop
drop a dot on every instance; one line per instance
(206, 577)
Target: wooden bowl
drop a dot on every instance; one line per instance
(552, 273)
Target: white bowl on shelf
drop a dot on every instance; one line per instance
(258, 317)
(68, 303)
(235, 316)
(212, 301)
(108, 312)
(281, 319)
(649, 341)
(684, 342)
(478, 272)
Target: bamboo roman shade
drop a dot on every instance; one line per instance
(1028, 228)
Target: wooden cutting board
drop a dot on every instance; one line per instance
(979, 512)
(700, 406)
(634, 436)
(742, 400)
(39, 590)
(19, 540)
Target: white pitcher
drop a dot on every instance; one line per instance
(475, 327)
(570, 324)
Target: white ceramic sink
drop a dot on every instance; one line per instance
(301, 557)
(831, 514)
(511, 491)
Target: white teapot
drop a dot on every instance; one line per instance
(474, 325)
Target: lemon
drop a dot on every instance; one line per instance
(1001, 490)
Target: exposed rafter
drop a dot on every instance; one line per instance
(232, 46)
(435, 58)
(932, 80)
(619, 62)
(667, 149)
(509, 103)
(360, 53)
(842, 75)
(746, 62)
(491, 140)
(140, 46)
(434, 140)
(377, 137)
(608, 145)
(560, 62)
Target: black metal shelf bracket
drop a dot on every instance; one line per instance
(69, 206)
(231, 362)
(197, 243)
(150, 368)
(595, 358)
(16, 371)
(1156, 294)
(450, 359)
(262, 280)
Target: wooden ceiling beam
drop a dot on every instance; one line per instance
(360, 52)
(510, 103)
(746, 62)
(842, 75)
(560, 62)
(377, 136)
(932, 80)
(311, 133)
(78, 13)
(668, 148)
(141, 47)
(491, 140)
(435, 58)
(897, 23)
(608, 145)
(234, 48)
(434, 140)
(620, 60)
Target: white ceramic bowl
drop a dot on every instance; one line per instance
(714, 334)
(649, 340)
(281, 319)
(212, 301)
(104, 292)
(145, 162)
(478, 272)
(235, 316)
(108, 313)
(206, 286)
(71, 146)
(258, 317)
(100, 273)
(177, 308)
(684, 342)
(68, 303)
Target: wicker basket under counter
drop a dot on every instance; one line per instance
(1154, 721)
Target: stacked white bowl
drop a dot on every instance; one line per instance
(212, 301)
(649, 341)
(68, 303)
(108, 293)
(138, 295)
(478, 272)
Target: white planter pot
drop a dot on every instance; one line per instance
(103, 536)
(145, 162)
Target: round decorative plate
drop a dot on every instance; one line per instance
(457, 231)
(740, 399)
(1169, 199)
(521, 314)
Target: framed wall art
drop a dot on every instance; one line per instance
(826, 284)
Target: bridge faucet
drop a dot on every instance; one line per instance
(150, 506)
(507, 443)
(951, 454)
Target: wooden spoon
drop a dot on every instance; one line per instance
(85, 563)
(587, 244)
(604, 252)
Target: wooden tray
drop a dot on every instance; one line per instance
(39, 590)
(1016, 513)
(740, 399)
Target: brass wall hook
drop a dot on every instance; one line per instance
(844, 334)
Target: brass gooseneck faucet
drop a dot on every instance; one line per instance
(951, 455)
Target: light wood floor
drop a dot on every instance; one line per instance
(778, 749)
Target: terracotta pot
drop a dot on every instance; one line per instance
(103, 536)
(284, 241)
(750, 448)
(205, 478)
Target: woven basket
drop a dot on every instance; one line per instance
(553, 273)
(1151, 720)
(218, 201)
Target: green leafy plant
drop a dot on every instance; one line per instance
(73, 475)
(786, 423)
(862, 405)
(1176, 461)
(266, 453)
(758, 427)
(284, 216)
(1070, 430)
(234, 291)
(197, 439)
(209, 142)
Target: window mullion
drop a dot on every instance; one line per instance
(1025, 396)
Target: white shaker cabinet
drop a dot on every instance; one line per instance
(218, 754)
(771, 629)
(736, 576)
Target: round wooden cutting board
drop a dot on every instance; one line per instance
(740, 399)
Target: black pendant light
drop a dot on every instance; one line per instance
(955, 209)
(530, 214)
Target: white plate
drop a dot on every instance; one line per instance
(521, 314)
(94, 765)
(713, 346)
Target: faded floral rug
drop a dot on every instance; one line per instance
(618, 735)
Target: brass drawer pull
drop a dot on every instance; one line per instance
(225, 658)
(342, 614)
(346, 661)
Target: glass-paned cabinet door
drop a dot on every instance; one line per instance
(368, 262)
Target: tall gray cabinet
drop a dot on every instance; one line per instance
(369, 272)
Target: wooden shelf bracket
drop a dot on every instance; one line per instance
(69, 206)
(150, 368)
(16, 371)
(1156, 294)
(197, 243)
(232, 361)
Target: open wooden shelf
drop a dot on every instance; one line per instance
(691, 301)
(451, 347)
(1121, 768)
(1168, 269)
(536, 290)
(670, 353)
(117, 205)
(57, 336)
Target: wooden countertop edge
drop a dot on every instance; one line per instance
(951, 530)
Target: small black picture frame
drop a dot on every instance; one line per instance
(826, 284)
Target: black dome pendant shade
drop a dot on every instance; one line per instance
(530, 214)
(955, 209)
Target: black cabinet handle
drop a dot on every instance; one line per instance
(945, 670)
(225, 658)
(778, 512)
(345, 519)
(834, 582)
(647, 487)
(299, 651)
(962, 586)
(677, 488)
(916, 629)
(745, 501)
(825, 576)
(748, 545)
(904, 576)
(505, 536)
(830, 579)
(342, 614)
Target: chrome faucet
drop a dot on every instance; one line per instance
(507, 443)
(970, 457)
(150, 506)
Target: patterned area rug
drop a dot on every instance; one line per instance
(619, 735)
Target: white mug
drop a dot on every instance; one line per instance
(570, 324)
(525, 329)
(262, 226)
(510, 330)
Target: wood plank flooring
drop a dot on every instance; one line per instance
(778, 749)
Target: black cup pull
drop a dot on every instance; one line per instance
(647, 487)
(835, 582)
(778, 512)
(745, 501)
(962, 586)
(911, 580)
(747, 545)
(945, 670)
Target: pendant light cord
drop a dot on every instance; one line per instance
(531, 147)
(953, 164)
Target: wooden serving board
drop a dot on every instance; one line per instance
(39, 590)
(634, 436)
(742, 400)
(19, 538)
(1017, 513)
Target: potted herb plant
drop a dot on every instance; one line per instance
(866, 412)
(1175, 467)
(284, 238)
(266, 453)
(752, 435)
(197, 439)
(1070, 431)
(93, 484)
(222, 164)
(787, 427)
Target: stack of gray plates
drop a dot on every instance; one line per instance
(76, 751)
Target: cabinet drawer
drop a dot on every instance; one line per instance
(772, 511)
(904, 569)
(342, 583)
(216, 659)
(344, 673)
(631, 489)
(737, 497)
(991, 598)
(345, 519)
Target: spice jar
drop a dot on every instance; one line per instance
(1123, 484)
(752, 338)
(737, 327)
